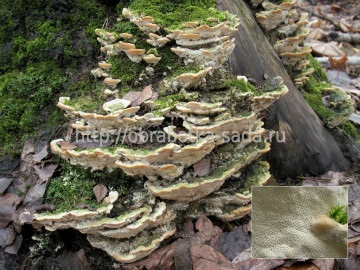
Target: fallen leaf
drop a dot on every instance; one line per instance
(351, 263)
(355, 226)
(326, 49)
(25, 217)
(162, 258)
(45, 173)
(67, 145)
(41, 155)
(315, 34)
(245, 261)
(324, 264)
(234, 242)
(7, 236)
(345, 26)
(301, 266)
(202, 167)
(206, 230)
(14, 247)
(100, 192)
(146, 94)
(34, 197)
(182, 255)
(132, 95)
(206, 257)
(338, 62)
(8, 204)
(336, 8)
(67, 260)
(4, 184)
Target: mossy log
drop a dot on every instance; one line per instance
(308, 146)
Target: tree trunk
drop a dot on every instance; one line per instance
(308, 146)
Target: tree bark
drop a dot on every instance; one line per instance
(308, 148)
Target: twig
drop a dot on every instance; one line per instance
(351, 61)
(323, 17)
(353, 240)
(315, 178)
(350, 38)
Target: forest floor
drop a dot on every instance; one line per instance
(205, 243)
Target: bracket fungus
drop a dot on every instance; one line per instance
(194, 109)
(291, 28)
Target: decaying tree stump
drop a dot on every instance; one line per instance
(308, 146)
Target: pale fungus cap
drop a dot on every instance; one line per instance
(151, 59)
(291, 222)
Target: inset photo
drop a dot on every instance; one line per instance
(299, 222)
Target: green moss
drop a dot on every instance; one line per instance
(193, 68)
(255, 173)
(349, 128)
(339, 214)
(126, 70)
(126, 26)
(173, 14)
(44, 48)
(170, 101)
(319, 73)
(75, 186)
(168, 59)
(241, 86)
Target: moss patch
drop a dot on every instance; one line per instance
(74, 187)
(125, 70)
(241, 86)
(44, 49)
(173, 14)
(338, 213)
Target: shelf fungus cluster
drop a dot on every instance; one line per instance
(194, 149)
(290, 27)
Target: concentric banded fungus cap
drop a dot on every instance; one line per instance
(135, 55)
(151, 59)
(136, 247)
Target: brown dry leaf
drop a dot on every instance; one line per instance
(34, 197)
(336, 8)
(206, 257)
(244, 261)
(315, 34)
(202, 167)
(41, 155)
(7, 236)
(338, 62)
(349, 49)
(8, 205)
(345, 26)
(324, 264)
(234, 242)
(326, 48)
(25, 217)
(352, 263)
(132, 95)
(100, 191)
(67, 145)
(14, 247)
(45, 173)
(162, 258)
(301, 266)
(206, 230)
(146, 94)
(182, 255)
